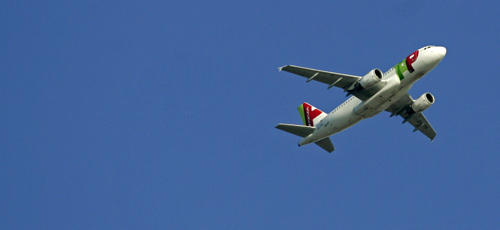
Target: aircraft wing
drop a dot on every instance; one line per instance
(332, 79)
(418, 120)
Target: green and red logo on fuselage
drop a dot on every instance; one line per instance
(406, 65)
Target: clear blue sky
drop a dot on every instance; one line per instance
(161, 115)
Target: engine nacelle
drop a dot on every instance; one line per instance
(423, 102)
(371, 78)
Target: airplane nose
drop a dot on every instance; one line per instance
(441, 52)
(436, 55)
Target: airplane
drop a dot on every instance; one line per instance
(371, 94)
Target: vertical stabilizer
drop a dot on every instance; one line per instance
(310, 115)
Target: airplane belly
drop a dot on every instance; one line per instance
(345, 118)
(334, 123)
(386, 104)
(371, 106)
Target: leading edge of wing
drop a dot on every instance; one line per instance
(331, 78)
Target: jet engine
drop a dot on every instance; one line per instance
(370, 79)
(422, 103)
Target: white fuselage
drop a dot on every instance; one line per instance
(393, 86)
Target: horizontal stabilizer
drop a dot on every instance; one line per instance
(299, 130)
(326, 144)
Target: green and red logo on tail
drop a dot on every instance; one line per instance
(310, 115)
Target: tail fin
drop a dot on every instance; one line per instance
(310, 114)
